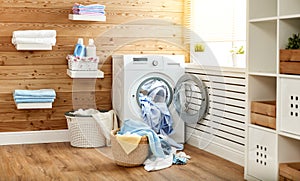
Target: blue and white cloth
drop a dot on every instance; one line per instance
(34, 96)
(157, 116)
(155, 110)
(92, 9)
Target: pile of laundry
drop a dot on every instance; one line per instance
(92, 9)
(162, 148)
(34, 37)
(155, 112)
(34, 96)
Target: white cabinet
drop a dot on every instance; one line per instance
(262, 154)
(289, 107)
(270, 24)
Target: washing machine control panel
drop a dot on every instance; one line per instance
(144, 62)
(154, 62)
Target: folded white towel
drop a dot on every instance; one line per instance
(20, 40)
(35, 33)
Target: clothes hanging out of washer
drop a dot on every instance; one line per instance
(155, 110)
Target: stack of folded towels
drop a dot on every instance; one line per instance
(34, 96)
(37, 37)
(92, 9)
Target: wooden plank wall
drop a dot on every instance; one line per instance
(133, 26)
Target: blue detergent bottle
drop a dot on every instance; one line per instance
(79, 48)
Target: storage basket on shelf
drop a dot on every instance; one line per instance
(84, 131)
(82, 63)
(133, 159)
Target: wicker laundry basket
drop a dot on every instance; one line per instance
(133, 159)
(84, 131)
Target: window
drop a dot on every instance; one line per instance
(219, 25)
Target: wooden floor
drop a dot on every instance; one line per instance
(60, 161)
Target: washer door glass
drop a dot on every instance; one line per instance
(190, 99)
(157, 89)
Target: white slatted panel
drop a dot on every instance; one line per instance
(225, 121)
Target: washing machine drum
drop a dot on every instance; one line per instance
(189, 96)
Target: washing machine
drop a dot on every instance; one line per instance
(184, 94)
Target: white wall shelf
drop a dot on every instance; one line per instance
(43, 105)
(86, 17)
(32, 46)
(270, 24)
(85, 74)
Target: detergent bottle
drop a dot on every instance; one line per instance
(91, 49)
(79, 48)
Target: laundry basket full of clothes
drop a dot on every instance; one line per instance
(122, 150)
(90, 128)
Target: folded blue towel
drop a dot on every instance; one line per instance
(35, 93)
(90, 13)
(142, 129)
(90, 6)
(34, 100)
(34, 97)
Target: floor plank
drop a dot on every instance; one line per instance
(60, 161)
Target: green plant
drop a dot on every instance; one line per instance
(293, 42)
(199, 47)
(236, 50)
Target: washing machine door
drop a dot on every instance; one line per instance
(190, 98)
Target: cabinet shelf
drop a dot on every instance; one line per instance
(289, 135)
(293, 16)
(85, 74)
(289, 7)
(263, 74)
(86, 17)
(262, 53)
(262, 9)
(287, 27)
(262, 128)
(261, 88)
(263, 19)
(289, 76)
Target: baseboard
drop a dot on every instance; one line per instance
(219, 150)
(33, 137)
